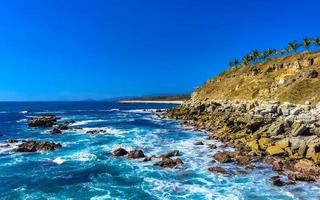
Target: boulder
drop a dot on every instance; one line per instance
(254, 146)
(275, 151)
(298, 176)
(199, 143)
(120, 152)
(212, 146)
(136, 154)
(276, 181)
(170, 154)
(277, 165)
(264, 143)
(169, 163)
(299, 129)
(284, 143)
(219, 170)
(223, 157)
(313, 153)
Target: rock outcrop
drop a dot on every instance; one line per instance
(43, 121)
(34, 146)
(258, 128)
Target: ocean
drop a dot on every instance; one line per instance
(84, 167)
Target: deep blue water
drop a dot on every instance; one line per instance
(84, 168)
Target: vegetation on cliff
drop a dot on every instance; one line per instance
(292, 78)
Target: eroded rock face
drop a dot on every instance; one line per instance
(33, 146)
(44, 121)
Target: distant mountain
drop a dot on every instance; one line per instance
(180, 97)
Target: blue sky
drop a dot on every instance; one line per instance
(76, 49)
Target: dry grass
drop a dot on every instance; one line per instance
(239, 83)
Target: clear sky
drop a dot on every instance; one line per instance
(96, 49)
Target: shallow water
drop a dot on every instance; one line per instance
(84, 168)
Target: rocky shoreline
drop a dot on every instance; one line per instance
(286, 136)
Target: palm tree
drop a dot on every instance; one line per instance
(293, 46)
(246, 60)
(233, 63)
(254, 55)
(270, 52)
(306, 43)
(316, 41)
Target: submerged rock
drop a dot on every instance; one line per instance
(120, 152)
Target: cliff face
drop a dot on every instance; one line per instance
(286, 79)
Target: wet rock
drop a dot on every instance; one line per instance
(212, 146)
(170, 154)
(223, 157)
(276, 181)
(136, 154)
(69, 122)
(55, 131)
(277, 165)
(33, 146)
(63, 127)
(10, 141)
(149, 158)
(242, 160)
(44, 121)
(119, 152)
(169, 163)
(199, 143)
(219, 170)
(96, 131)
(298, 176)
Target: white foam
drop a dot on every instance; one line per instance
(58, 160)
(85, 122)
(22, 120)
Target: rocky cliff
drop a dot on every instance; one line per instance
(270, 110)
(291, 79)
